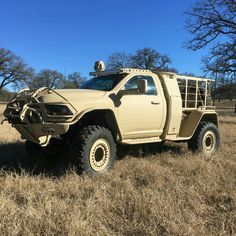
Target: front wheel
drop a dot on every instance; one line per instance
(206, 138)
(93, 150)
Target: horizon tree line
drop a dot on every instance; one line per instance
(14, 71)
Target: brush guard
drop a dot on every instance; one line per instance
(27, 115)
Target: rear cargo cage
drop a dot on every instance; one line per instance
(195, 92)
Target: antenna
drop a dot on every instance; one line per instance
(65, 75)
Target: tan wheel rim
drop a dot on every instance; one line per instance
(99, 155)
(209, 141)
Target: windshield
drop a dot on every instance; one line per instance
(103, 83)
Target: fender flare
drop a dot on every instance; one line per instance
(191, 122)
(115, 125)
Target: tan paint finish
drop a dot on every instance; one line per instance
(142, 115)
(140, 118)
(190, 122)
(174, 108)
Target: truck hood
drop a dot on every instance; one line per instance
(70, 94)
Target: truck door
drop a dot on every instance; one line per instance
(142, 115)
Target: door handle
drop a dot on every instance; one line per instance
(155, 102)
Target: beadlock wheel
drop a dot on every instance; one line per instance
(93, 150)
(99, 155)
(206, 139)
(209, 141)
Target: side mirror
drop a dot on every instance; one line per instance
(142, 86)
(141, 89)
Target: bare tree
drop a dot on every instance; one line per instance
(118, 60)
(74, 80)
(148, 58)
(169, 69)
(5, 95)
(46, 78)
(214, 21)
(222, 59)
(12, 69)
(209, 19)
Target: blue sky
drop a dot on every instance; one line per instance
(54, 34)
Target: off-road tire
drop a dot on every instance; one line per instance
(93, 150)
(206, 138)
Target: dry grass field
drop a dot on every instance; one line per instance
(149, 191)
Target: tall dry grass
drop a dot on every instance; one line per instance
(149, 192)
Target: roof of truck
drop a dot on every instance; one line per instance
(132, 70)
(119, 70)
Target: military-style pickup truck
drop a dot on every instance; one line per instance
(122, 106)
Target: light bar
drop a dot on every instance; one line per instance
(120, 70)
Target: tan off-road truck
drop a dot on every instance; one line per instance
(123, 106)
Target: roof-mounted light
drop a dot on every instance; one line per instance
(99, 66)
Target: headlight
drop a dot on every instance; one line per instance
(57, 110)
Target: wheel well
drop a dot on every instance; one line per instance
(105, 118)
(191, 122)
(211, 118)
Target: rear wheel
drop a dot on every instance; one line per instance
(206, 138)
(93, 150)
